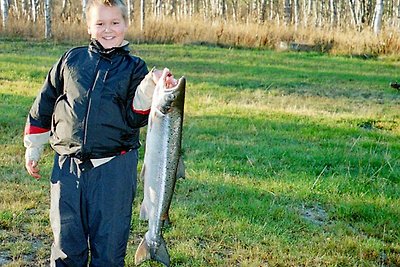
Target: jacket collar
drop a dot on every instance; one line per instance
(96, 47)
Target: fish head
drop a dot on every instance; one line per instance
(169, 94)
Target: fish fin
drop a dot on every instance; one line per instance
(143, 215)
(161, 253)
(142, 253)
(145, 252)
(180, 172)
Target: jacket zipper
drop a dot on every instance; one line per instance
(89, 108)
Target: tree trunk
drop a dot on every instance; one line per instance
(84, 2)
(398, 13)
(308, 15)
(287, 12)
(321, 13)
(170, 10)
(296, 13)
(333, 17)
(15, 8)
(142, 14)
(271, 10)
(221, 11)
(262, 10)
(378, 16)
(33, 10)
(23, 7)
(158, 8)
(235, 10)
(47, 19)
(129, 7)
(254, 10)
(4, 12)
(354, 14)
(64, 8)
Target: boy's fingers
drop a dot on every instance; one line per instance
(32, 169)
(156, 75)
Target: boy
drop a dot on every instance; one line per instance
(91, 106)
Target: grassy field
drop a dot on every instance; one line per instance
(293, 159)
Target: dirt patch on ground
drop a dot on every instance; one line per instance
(314, 214)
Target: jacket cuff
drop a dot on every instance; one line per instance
(33, 153)
(34, 144)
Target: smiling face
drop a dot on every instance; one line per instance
(107, 25)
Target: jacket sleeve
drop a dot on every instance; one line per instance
(141, 94)
(37, 128)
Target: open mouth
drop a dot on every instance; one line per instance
(175, 85)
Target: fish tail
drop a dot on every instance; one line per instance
(142, 253)
(145, 252)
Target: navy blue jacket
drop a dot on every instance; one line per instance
(86, 102)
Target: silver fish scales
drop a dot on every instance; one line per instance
(162, 166)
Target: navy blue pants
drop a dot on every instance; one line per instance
(91, 210)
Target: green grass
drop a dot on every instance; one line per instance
(293, 159)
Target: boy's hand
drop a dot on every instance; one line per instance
(156, 75)
(169, 80)
(32, 168)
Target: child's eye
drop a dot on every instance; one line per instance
(116, 22)
(99, 24)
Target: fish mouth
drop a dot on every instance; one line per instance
(181, 81)
(172, 98)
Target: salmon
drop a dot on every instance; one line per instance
(162, 166)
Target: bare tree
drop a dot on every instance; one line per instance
(296, 13)
(34, 10)
(271, 9)
(47, 16)
(84, 2)
(4, 12)
(333, 12)
(235, 10)
(287, 11)
(24, 7)
(142, 14)
(64, 5)
(378, 16)
(309, 12)
(354, 14)
(262, 11)
(129, 6)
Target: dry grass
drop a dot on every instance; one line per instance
(270, 35)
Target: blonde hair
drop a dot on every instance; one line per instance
(117, 3)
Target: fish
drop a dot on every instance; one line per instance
(163, 165)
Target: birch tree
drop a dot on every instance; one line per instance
(34, 10)
(64, 8)
(287, 11)
(142, 14)
(262, 11)
(84, 2)
(296, 13)
(333, 13)
(23, 7)
(354, 14)
(378, 16)
(47, 16)
(4, 12)
(235, 10)
(129, 6)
